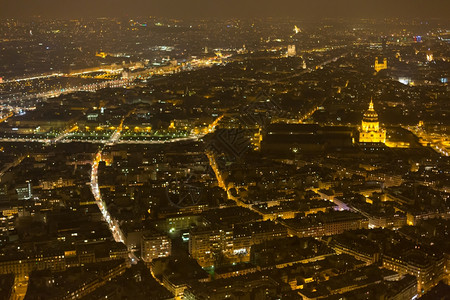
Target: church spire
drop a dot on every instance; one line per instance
(371, 104)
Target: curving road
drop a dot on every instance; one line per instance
(95, 189)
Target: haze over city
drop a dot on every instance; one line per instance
(227, 8)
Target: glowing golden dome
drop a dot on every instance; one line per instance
(370, 127)
(370, 115)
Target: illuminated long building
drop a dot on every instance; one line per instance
(206, 244)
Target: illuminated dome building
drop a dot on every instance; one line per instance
(370, 128)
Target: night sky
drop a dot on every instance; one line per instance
(226, 8)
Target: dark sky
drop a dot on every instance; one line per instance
(226, 8)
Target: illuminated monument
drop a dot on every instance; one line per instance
(291, 51)
(380, 66)
(370, 128)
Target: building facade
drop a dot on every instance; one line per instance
(155, 246)
(380, 66)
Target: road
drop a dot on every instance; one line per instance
(112, 223)
(20, 288)
(87, 88)
(438, 142)
(11, 165)
(113, 139)
(310, 70)
(115, 230)
(115, 136)
(127, 81)
(95, 189)
(116, 83)
(65, 134)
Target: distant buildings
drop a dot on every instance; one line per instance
(291, 51)
(380, 66)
